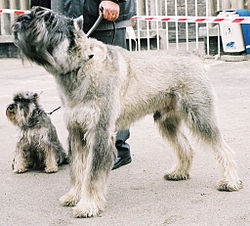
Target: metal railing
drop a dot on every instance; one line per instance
(156, 33)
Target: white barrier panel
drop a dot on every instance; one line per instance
(189, 19)
(14, 11)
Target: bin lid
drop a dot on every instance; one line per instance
(243, 12)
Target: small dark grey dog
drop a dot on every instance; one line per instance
(38, 146)
(105, 89)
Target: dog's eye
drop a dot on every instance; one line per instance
(26, 17)
(21, 100)
(16, 99)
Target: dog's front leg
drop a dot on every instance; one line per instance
(50, 160)
(100, 142)
(78, 153)
(19, 164)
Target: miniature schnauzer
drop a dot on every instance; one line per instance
(38, 146)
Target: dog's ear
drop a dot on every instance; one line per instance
(35, 97)
(78, 23)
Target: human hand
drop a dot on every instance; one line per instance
(110, 10)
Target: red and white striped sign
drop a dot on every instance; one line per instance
(14, 11)
(192, 19)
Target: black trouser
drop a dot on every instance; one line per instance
(107, 36)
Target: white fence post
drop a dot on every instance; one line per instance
(13, 5)
(187, 36)
(138, 25)
(148, 34)
(196, 26)
(166, 13)
(176, 26)
(5, 24)
(24, 4)
(208, 41)
(157, 26)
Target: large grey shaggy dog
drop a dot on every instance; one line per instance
(105, 88)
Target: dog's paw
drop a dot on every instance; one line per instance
(51, 169)
(19, 170)
(84, 210)
(174, 176)
(224, 185)
(69, 199)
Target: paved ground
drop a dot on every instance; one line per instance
(138, 195)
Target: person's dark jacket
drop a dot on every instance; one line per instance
(89, 10)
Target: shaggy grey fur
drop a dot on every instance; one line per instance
(38, 146)
(105, 89)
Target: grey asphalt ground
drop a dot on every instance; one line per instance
(138, 195)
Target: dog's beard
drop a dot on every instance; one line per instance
(11, 115)
(19, 116)
(23, 115)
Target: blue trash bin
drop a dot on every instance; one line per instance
(245, 28)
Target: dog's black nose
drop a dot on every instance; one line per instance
(17, 26)
(26, 17)
(11, 107)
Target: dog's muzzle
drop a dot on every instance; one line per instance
(11, 112)
(21, 23)
(11, 107)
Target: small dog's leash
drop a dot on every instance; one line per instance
(50, 113)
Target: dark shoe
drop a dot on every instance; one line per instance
(121, 161)
(123, 157)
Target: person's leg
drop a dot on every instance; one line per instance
(123, 149)
(43, 3)
(118, 38)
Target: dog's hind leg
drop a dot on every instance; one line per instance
(202, 122)
(169, 127)
(77, 153)
(230, 180)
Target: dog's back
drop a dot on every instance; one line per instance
(167, 77)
